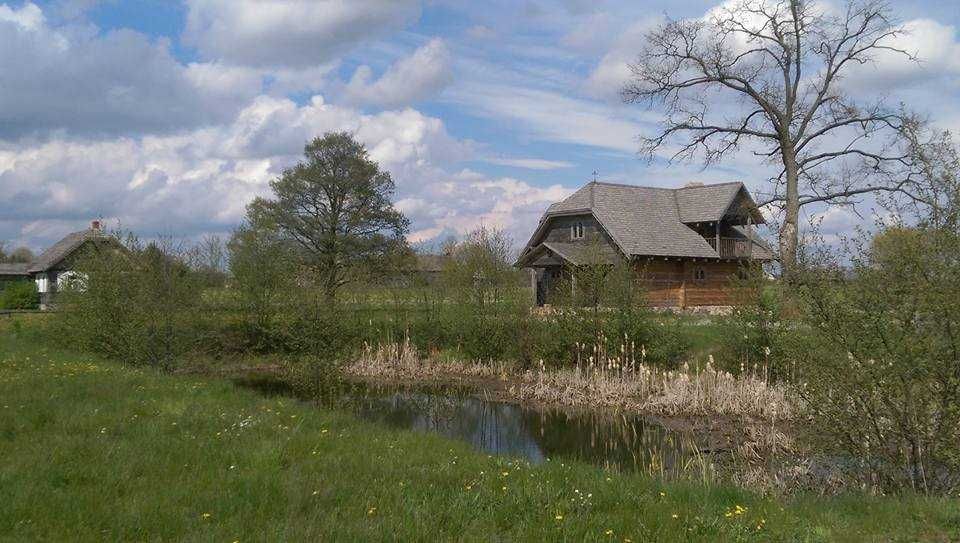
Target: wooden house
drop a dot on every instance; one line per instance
(53, 266)
(686, 243)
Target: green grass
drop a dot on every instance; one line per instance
(93, 450)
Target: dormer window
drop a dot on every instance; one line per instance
(576, 231)
(699, 274)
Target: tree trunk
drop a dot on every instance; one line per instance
(789, 231)
(330, 282)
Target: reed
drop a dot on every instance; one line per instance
(403, 361)
(621, 379)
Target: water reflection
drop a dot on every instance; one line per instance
(615, 441)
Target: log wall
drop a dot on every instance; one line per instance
(677, 283)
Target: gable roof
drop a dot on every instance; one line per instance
(705, 203)
(650, 221)
(14, 269)
(579, 253)
(60, 250)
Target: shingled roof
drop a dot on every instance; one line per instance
(16, 269)
(62, 249)
(653, 221)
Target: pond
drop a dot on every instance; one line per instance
(617, 441)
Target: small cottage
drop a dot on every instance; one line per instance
(53, 267)
(687, 243)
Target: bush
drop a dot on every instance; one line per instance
(758, 329)
(138, 304)
(20, 295)
(879, 375)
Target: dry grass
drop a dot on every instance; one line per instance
(684, 392)
(402, 361)
(599, 380)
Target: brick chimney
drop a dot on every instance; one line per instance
(95, 226)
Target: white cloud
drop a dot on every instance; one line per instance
(613, 70)
(937, 52)
(481, 32)
(531, 163)
(591, 34)
(78, 80)
(292, 33)
(553, 116)
(28, 17)
(463, 201)
(200, 181)
(408, 81)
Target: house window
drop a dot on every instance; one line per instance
(576, 231)
(699, 274)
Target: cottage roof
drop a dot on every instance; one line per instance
(60, 250)
(653, 221)
(14, 268)
(579, 253)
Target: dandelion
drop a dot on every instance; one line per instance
(372, 510)
(674, 516)
(559, 517)
(205, 516)
(608, 532)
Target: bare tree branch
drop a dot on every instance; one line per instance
(776, 65)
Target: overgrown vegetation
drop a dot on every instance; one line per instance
(881, 372)
(859, 350)
(19, 295)
(95, 450)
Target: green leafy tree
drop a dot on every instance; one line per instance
(335, 207)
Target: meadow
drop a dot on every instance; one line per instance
(95, 449)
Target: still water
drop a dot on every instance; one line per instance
(613, 440)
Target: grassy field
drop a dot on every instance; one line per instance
(93, 450)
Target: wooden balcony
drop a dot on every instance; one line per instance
(732, 247)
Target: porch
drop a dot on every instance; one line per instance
(727, 247)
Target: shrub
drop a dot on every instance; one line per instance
(20, 295)
(137, 303)
(756, 331)
(879, 375)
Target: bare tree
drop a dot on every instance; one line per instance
(767, 73)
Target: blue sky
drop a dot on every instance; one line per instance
(167, 117)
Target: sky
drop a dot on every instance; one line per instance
(168, 117)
